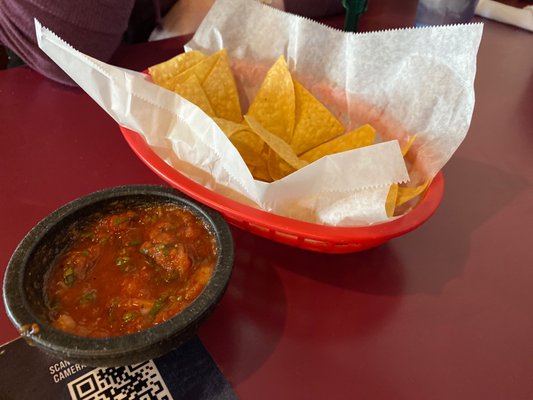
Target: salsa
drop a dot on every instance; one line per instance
(130, 270)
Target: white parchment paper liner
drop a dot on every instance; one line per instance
(366, 78)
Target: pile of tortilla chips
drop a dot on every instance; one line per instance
(285, 127)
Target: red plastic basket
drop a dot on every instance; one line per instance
(315, 237)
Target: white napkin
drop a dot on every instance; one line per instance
(521, 17)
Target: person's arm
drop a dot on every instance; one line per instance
(93, 27)
(186, 15)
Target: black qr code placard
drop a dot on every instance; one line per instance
(134, 382)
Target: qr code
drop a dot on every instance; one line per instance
(135, 382)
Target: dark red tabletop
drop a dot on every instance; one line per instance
(444, 312)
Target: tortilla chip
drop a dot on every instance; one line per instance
(201, 69)
(261, 173)
(278, 145)
(360, 137)
(407, 193)
(314, 123)
(192, 91)
(229, 127)
(407, 146)
(250, 146)
(251, 149)
(221, 90)
(277, 167)
(273, 106)
(163, 74)
(390, 203)
(285, 128)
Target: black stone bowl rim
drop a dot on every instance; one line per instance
(132, 348)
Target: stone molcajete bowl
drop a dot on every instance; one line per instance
(27, 271)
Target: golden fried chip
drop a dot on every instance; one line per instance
(362, 136)
(192, 91)
(221, 90)
(278, 145)
(390, 203)
(314, 123)
(250, 146)
(261, 173)
(407, 146)
(285, 128)
(407, 193)
(163, 74)
(273, 106)
(277, 167)
(230, 127)
(201, 69)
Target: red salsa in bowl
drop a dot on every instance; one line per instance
(119, 276)
(130, 270)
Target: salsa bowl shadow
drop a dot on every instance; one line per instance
(26, 273)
